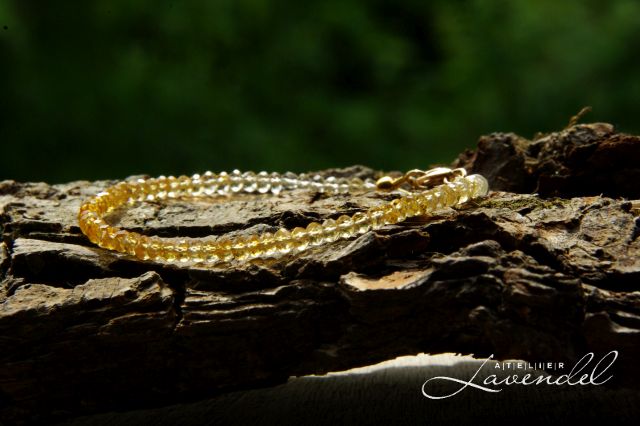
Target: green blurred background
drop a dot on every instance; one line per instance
(94, 90)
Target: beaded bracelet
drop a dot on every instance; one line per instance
(429, 190)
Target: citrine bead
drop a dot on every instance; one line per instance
(361, 223)
(196, 252)
(329, 231)
(155, 248)
(131, 241)
(182, 249)
(314, 230)
(345, 226)
(283, 242)
(224, 249)
(411, 206)
(141, 250)
(210, 251)
(300, 238)
(399, 212)
(253, 246)
(449, 196)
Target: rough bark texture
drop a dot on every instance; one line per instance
(540, 277)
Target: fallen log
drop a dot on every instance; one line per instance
(545, 268)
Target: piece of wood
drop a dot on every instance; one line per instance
(539, 277)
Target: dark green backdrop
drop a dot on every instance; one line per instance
(107, 89)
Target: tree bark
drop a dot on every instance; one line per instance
(545, 268)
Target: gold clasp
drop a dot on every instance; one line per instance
(420, 179)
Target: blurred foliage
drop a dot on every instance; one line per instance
(94, 90)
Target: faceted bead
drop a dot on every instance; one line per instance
(210, 252)
(427, 202)
(237, 182)
(154, 248)
(184, 182)
(314, 230)
(264, 182)
(376, 217)
(100, 201)
(117, 237)
(481, 186)
(369, 183)
(152, 186)
(412, 207)
(462, 187)
(300, 238)
(224, 250)
(249, 182)
(283, 241)
(276, 183)
(329, 231)
(141, 249)
(210, 184)
(290, 181)
(449, 196)
(224, 183)
(207, 177)
(163, 189)
(399, 210)
(304, 180)
(361, 223)
(345, 226)
(343, 186)
(173, 182)
(439, 198)
(317, 183)
(131, 242)
(267, 244)
(169, 252)
(331, 184)
(239, 249)
(253, 246)
(182, 248)
(356, 184)
(196, 252)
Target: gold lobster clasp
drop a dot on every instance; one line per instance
(420, 179)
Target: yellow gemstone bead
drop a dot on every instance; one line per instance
(210, 251)
(399, 212)
(141, 249)
(450, 196)
(253, 246)
(267, 244)
(314, 231)
(283, 242)
(427, 202)
(182, 249)
(345, 226)
(300, 238)
(131, 242)
(155, 248)
(224, 250)
(361, 223)
(376, 217)
(329, 231)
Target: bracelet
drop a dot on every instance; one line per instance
(429, 190)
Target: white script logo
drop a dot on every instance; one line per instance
(492, 380)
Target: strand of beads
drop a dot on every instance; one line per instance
(223, 183)
(283, 241)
